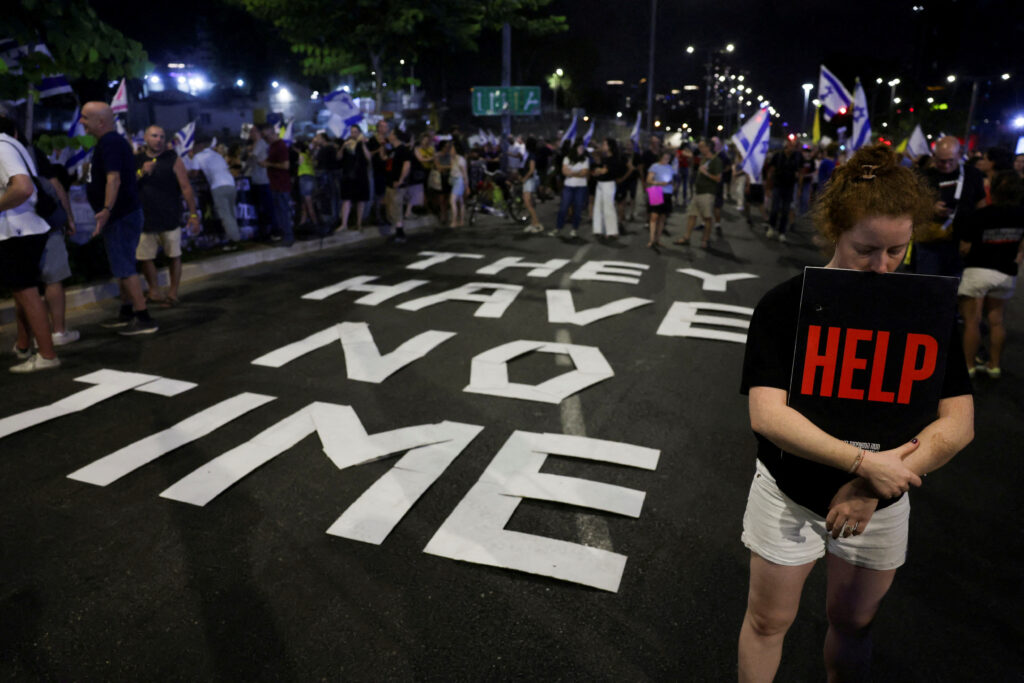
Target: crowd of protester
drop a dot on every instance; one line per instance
(263, 188)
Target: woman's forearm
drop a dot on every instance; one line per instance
(945, 437)
(794, 433)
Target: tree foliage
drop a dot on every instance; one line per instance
(81, 45)
(339, 37)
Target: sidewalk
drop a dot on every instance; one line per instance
(85, 295)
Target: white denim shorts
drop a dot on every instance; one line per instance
(988, 282)
(786, 533)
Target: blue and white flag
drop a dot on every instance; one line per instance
(832, 94)
(918, 145)
(79, 156)
(341, 104)
(752, 142)
(288, 134)
(184, 139)
(861, 124)
(119, 105)
(635, 135)
(589, 136)
(570, 132)
(11, 53)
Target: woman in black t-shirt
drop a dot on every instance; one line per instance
(992, 244)
(868, 213)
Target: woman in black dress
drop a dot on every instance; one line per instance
(355, 176)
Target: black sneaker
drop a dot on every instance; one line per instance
(139, 326)
(118, 322)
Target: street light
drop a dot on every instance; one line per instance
(559, 72)
(1005, 77)
(689, 49)
(730, 47)
(807, 93)
(951, 78)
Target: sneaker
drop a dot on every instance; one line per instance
(574, 234)
(36, 363)
(119, 321)
(770, 234)
(994, 373)
(552, 232)
(139, 326)
(21, 354)
(65, 337)
(782, 238)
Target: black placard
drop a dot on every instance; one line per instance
(870, 354)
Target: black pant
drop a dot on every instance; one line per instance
(782, 199)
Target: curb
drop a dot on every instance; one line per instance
(85, 295)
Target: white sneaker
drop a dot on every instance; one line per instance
(573, 234)
(770, 234)
(782, 238)
(21, 354)
(36, 363)
(65, 337)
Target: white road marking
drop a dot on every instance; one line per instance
(592, 530)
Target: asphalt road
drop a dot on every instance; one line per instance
(116, 582)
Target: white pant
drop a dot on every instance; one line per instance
(606, 221)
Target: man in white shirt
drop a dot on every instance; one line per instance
(259, 182)
(23, 236)
(222, 187)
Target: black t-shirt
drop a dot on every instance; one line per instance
(786, 167)
(972, 193)
(399, 156)
(807, 168)
(616, 169)
(113, 154)
(379, 165)
(995, 233)
(771, 340)
(160, 193)
(327, 159)
(542, 156)
(648, 159)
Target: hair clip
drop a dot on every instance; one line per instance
(868, 171)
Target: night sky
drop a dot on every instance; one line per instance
(780, 44)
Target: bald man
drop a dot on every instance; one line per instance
(114, 196)
(960, 190)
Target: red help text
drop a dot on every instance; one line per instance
(858, 348)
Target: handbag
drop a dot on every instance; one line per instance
(655, 195)
(434, 180)
(47, 205)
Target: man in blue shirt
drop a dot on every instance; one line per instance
(114, 197)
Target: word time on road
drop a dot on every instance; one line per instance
(474, 532)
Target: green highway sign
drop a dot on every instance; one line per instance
(495, 100)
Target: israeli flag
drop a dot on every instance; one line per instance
(341, 104)
(635, 135)
(11, 53)
(184, 139)
(119, 105)
(752, 142)
(570, 132)
(589, 136)
(832, 94)
(79, 156)
(918, 145)
(861, 124)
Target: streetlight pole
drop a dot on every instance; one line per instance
(807, 94)
(650, 69)
(506, 81)
(892, 96)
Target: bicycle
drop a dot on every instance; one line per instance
(499, 196)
